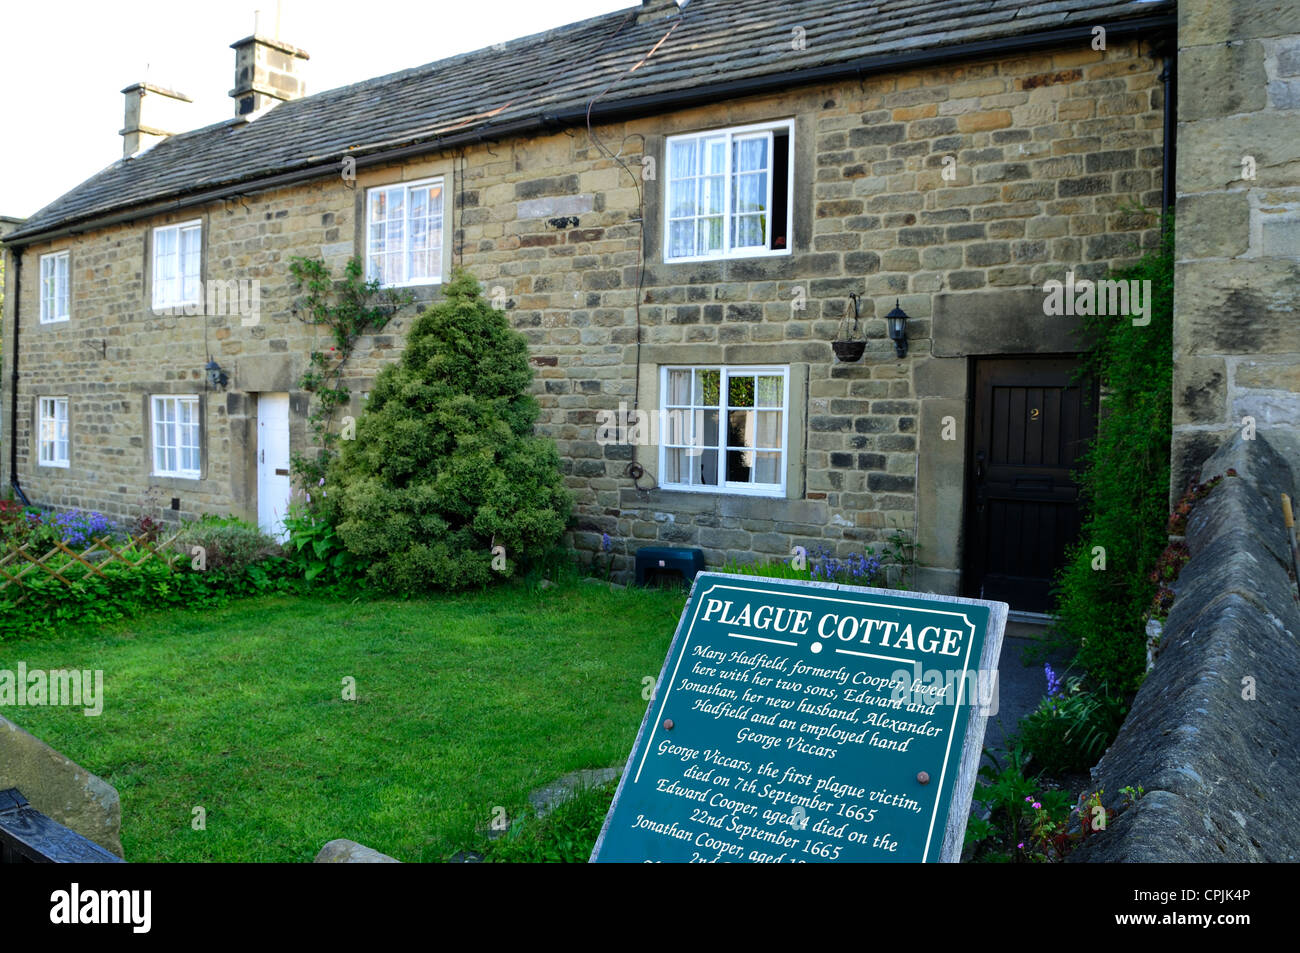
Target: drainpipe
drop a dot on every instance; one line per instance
(13, 384)
(1168, 76)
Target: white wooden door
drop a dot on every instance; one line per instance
(273, 485)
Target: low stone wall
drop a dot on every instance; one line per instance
(59, 788)
(1212, 732)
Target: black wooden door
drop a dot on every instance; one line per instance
(1032, 422)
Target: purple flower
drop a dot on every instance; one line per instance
(605, 544)
(1053, 682)
(1021, 845)
(1038, 806)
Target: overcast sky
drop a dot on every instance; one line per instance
(67, 62)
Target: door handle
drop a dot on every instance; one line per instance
(280, 472)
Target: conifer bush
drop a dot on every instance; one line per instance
(445, 465)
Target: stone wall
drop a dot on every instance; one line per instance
(1237, 279)
(59, 788)
(1048, 151)
(1211, 735)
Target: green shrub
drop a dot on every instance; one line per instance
(1071, 729)
(228, 543)
(1125, 487)
(445, 465)
(120, 590)
(315, 550)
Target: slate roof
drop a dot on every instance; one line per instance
(556, 74)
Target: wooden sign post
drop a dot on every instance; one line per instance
(802, 721)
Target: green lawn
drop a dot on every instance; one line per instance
(464, 703)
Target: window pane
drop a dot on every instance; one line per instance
(679, 387)
(707, 387)
(740, 391)
(740, 428)
(738, 466)
(749, 155)
(681, 243)
(767, 468)
(769, 391)
(709, 235)
(683, 158)
(675, 466)
(749, 232)
(750, 194)
(675, 427)
(716, 158)
(713, 195)
(706, 428)
(681, 201)
(706, 468)
(767, 429)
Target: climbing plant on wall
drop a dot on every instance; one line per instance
(348, 309)
(1105, 589)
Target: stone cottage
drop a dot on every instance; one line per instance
(683, 209)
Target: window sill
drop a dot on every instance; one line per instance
(55, 466)
(63, 320)
(775, 492)
(736, 256)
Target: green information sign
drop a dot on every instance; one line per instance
(799, 721)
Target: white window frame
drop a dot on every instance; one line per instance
(56, 298)
(172, 437)
(723, 485)
(53, 419)
(727, 251)
(405, 251)
(160, 287)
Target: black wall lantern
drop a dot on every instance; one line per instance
(897, 321)
(216, 376)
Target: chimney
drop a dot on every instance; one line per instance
(152, 114)
(656, 10)
(266, 73)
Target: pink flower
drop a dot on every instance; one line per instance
(1037, 806)
(1021, 845)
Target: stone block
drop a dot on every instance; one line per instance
(60, 788)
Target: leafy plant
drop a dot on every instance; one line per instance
(314, 549)
(348, 309)
(445, 464)
(1072, 726)
(228, 543)
(1124, 483)
(117, 590)
(1028, 821)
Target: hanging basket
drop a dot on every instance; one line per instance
(849, 351)
(847, 345)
